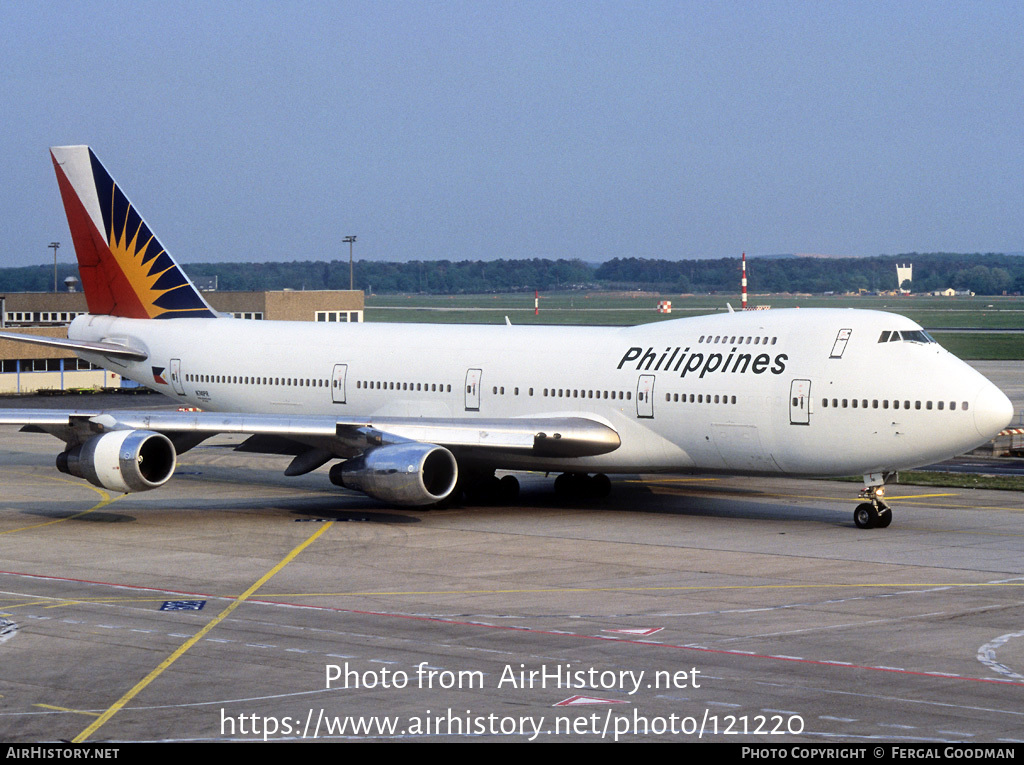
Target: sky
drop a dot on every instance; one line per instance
(257, 131)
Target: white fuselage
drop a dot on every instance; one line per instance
(799, 392)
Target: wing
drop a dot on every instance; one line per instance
(542, 436)
(136, 450)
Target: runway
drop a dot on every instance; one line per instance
(681, 608)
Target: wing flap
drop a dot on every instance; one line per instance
(543, 436)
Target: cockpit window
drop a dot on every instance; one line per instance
(907, 335)
(919, 336)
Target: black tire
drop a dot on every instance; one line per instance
(563, 486)
(865, 516)
(884, 519)
(508, 489)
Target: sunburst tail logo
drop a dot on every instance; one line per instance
(125, 270)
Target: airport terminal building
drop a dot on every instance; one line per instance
(28, 368)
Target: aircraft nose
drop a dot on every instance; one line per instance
(992, 411)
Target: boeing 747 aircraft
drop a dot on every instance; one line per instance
(412, 415)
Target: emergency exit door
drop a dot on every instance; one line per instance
(338, 383)
(800, 402)
(473, 389)
(645, 396)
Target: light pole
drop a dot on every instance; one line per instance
(351, 281)
(54, 245)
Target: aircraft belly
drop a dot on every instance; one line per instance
(741, 449)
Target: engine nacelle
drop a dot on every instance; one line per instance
(404, 474)
(122, 460)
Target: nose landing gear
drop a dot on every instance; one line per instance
(875, 513)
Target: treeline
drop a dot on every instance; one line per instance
(984, 274)
(989, 274)
(439, 277)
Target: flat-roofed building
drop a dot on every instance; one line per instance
(28, 368)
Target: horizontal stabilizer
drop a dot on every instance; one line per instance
(107, 349)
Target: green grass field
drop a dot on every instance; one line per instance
(622, 309)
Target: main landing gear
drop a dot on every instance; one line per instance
(488, 489)
(875, 513)
(582, 486)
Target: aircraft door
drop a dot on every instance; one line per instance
(800, 402)
(473, 389)
(840, 344)
(645, 396)
(176, 377)
(338, 383)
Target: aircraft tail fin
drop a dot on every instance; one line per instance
(125, 270)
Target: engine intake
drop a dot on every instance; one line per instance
(404, 474)
(122, 460)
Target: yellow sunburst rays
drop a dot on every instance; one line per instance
(130, 257)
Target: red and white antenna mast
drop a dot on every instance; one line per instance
(743, 283)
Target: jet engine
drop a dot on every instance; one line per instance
(405, 474)
(122, 460)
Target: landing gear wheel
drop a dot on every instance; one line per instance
(866, 517)
(577, 487)
(874, 514)
(601, 485)
(568, 486)
(563, 486)
(508, 489)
